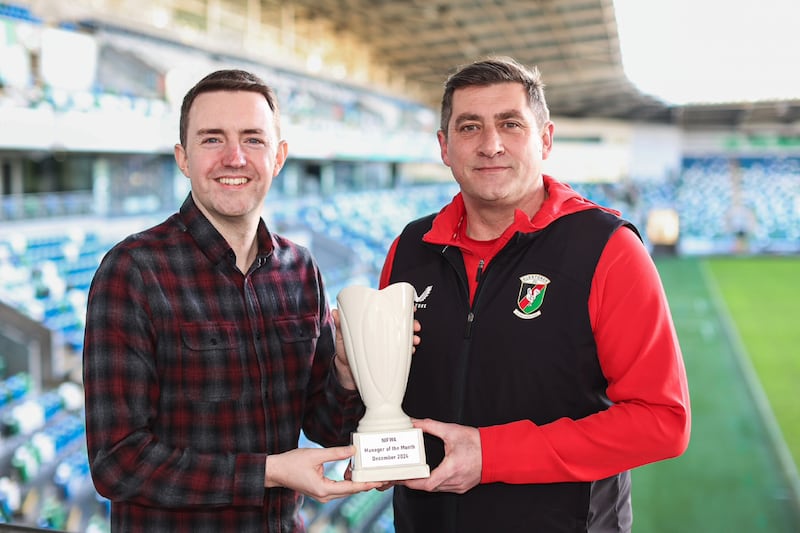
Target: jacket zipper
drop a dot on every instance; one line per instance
(471, 314)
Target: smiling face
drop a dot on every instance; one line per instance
(232, 153)
(495, 147)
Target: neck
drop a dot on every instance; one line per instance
(489, 222)
(246, 251)
(487, 225)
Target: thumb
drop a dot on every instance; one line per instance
(427, 425)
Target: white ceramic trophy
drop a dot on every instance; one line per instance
(378, 331)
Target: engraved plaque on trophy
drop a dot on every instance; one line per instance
(378, 331)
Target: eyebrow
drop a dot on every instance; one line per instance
(512, 113)
(466, 117)
(220, 131)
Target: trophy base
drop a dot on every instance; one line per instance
(389, 455)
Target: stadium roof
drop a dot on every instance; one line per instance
(575, 44)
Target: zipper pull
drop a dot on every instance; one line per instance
(480, 271)
(470, 320)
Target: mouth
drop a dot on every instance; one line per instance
(233, 181)
(491, 169)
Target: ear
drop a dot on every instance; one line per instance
(181, 159)
(443, 147)
(280, 157)
(547, 139)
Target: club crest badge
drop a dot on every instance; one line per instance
(531, 295)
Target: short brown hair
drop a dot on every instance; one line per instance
(228, 80)
(491, 71)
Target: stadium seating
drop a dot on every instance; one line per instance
(17, 12)
(48, 277)
(725, 204)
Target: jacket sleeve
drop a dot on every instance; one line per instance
(386, 272)
(641, 359)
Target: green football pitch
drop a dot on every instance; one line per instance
(737, 321)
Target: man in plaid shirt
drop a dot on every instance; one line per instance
(210, 345)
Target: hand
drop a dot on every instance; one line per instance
(343, 372)
(384, 485)
(302, 469)
(416, 341)
(461, 468)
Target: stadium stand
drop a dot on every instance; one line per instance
(51, 241)
(47, 278)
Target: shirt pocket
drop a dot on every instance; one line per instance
(212, 368)
(296, 329)
(297, 337)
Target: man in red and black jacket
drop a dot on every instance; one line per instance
(549, 365)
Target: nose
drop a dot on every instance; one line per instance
(234, 156)
(491, 142)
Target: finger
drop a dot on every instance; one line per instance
(346, 488)
(386, 486)
(431, 483)
(358, 486)
(336, 453)
(419, 484)
(432, 427)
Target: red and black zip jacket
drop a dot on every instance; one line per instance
(564, 409)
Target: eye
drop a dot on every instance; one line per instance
(210, 140)
(511, 124)
(466, 128)
(254, 140)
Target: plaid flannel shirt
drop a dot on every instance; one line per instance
(194, 372)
